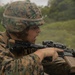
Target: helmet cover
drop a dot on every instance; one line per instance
(20, 14)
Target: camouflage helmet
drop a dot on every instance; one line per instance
(20, 14)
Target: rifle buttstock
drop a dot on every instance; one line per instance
(71, 61)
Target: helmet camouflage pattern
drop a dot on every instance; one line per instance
(20, 14)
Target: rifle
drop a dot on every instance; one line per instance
(68, 54)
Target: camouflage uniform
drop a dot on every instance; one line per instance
(11, 64)
(17, 16)
(58, 67)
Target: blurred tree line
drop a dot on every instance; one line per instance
(59, 10)
(2, 8)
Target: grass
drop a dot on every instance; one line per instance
(63, 32)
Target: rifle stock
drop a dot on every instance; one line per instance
(71, 62)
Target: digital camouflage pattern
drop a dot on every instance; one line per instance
(20, 14)
(12, 64)
(22, 63)
(59, 67)
(17, 16)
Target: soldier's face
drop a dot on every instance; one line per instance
(33, 33)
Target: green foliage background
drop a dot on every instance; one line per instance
(62, 32)
(60, 10)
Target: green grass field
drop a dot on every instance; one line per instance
(63, 32)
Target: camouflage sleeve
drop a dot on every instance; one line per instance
(58, 67)
(28, 65)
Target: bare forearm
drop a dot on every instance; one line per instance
(40, 54)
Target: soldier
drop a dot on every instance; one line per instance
(21, 20)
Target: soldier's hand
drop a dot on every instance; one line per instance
(47, 52)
